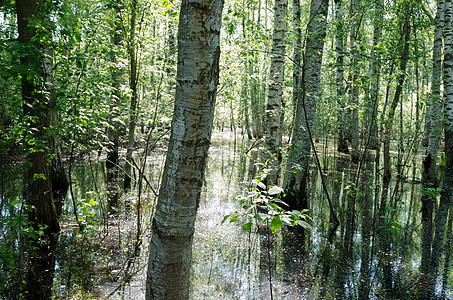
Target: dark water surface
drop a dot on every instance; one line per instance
(107, 261)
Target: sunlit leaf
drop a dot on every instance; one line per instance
(276, 224)
(275, 190)
(224, 219)
(247, 226)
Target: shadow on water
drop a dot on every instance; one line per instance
(227, 263)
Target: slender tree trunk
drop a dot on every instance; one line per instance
(134, 97)
(436, 99)
(296, 172)
(111, 163)
(197, 78)
(385, 243)
(447, 186)
(274, 100)
(354, 91)
(429, 176)
(245, 83)
(375, 74)
(339, 48)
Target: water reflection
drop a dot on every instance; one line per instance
(361, 261)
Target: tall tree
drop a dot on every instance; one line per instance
(447, 185)
(114, 131)
(197, 78)
(354, 36)
(407, 7)
(339, 48)
(429, 176)
(132, 48)
(36, 73)
(274, 99)
(375, 74)
(37, 84)
(296, 172)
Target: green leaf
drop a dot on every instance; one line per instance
(304, 224)
(275, 190)
(224, 219)
(247, 226)
(276, 224)
(261, 186)
(234, 219)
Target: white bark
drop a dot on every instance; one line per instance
(274, 100)
(299, 153)
(196, 86)
(448, 88)
(436, 100)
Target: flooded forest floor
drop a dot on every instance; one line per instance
(371, 255)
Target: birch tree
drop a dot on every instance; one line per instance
(296, 172)
(354, 76)
(274, 100)
(429, 175)
(196, 85)
(339, 48)
(447, 185)
(375, 74)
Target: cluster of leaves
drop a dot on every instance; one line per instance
(390, 224)
(264, 206)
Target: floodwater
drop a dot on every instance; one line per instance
(107, 261)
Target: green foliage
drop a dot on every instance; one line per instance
(430, 191)
(390, 224)
(264, 206)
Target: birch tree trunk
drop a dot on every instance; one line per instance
(354, 92)
(196, 86)
(274, 99)
(385, 239)
(375, 74)
(436, 100)
(429, 175)
(447, 186)
(296, 172)
(339, 48)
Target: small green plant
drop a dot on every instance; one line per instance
(264, 205)
(431, 191)
(390, 225)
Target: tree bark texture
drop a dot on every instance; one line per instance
(134, 98)
(196, 85)
(339, 48)
(299, 153)
(375, 74)
(436, 99)
(447, 185)
(429, 176)
(274, 100)
(385, 239)
(112, 161)
(354, 91)
(37, 100)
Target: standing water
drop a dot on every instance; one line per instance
(363, 259)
